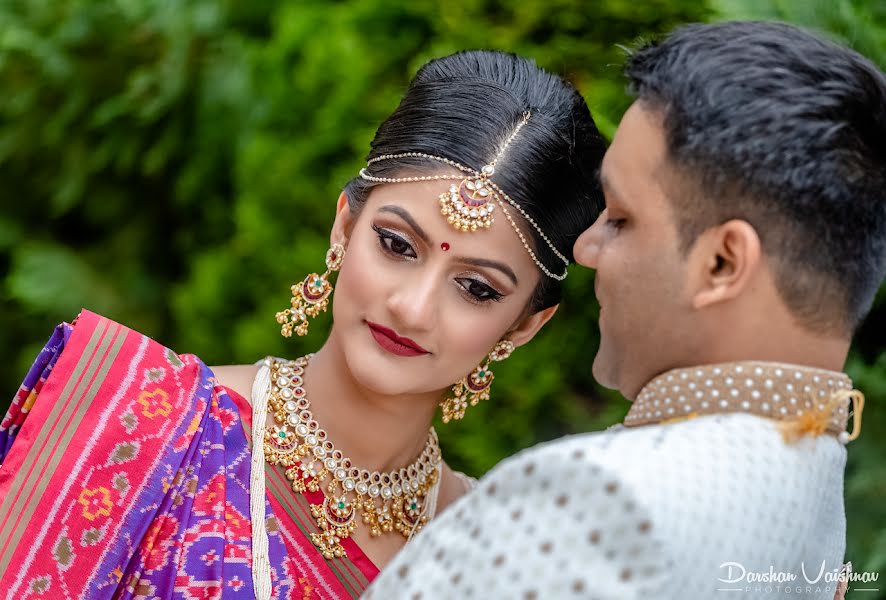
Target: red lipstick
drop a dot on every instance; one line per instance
(393, 343)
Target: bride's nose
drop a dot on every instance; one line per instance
(414, 302)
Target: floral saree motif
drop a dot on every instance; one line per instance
(124, 473)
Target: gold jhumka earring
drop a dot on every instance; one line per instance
(311, 296)
(474, 387)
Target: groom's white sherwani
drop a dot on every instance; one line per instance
(726, 481)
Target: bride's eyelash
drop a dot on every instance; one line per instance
(485, 293)
(391, 243)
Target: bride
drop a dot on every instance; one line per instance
(129, 470)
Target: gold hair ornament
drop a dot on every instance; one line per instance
(470, 204)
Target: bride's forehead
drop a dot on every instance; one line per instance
(415, 193)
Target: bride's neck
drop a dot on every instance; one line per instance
(376, 431)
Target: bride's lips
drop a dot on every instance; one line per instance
(393, 343)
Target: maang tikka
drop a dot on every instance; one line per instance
(475, 386)
(470, 204)
(311, 296)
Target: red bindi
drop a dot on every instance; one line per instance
(444, 246)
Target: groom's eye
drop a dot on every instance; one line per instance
(616, 223)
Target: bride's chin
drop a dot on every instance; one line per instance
(370, 372)
(378, 375)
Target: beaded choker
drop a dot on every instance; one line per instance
(470, 205)
(401, 500)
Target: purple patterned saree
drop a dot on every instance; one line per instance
(124, 473)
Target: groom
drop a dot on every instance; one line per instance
(743, 241)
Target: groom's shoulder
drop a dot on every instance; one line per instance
(713, 464)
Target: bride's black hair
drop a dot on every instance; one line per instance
(463, 107)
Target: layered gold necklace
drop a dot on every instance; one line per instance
(394, 501)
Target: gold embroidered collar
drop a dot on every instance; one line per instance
(807, 399)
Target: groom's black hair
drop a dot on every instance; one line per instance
(463, 107)
(771, 124)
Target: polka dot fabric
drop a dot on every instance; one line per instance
(646, 512)
(523, 533)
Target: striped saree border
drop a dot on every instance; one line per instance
(297, 508)
(29, 485)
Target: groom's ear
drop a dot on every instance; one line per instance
(526, 329)
(724, 263)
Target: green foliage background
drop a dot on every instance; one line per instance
(174, 164)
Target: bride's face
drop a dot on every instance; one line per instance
(418, 304)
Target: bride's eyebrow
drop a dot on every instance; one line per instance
(404, 214)
(492, 264)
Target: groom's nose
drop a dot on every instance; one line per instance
(587, 246)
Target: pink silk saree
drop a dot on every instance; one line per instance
(124, 473)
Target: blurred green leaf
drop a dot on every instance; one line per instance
(51, 278)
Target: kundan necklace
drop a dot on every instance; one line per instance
(394, 501)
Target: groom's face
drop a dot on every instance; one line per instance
(641, 272)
